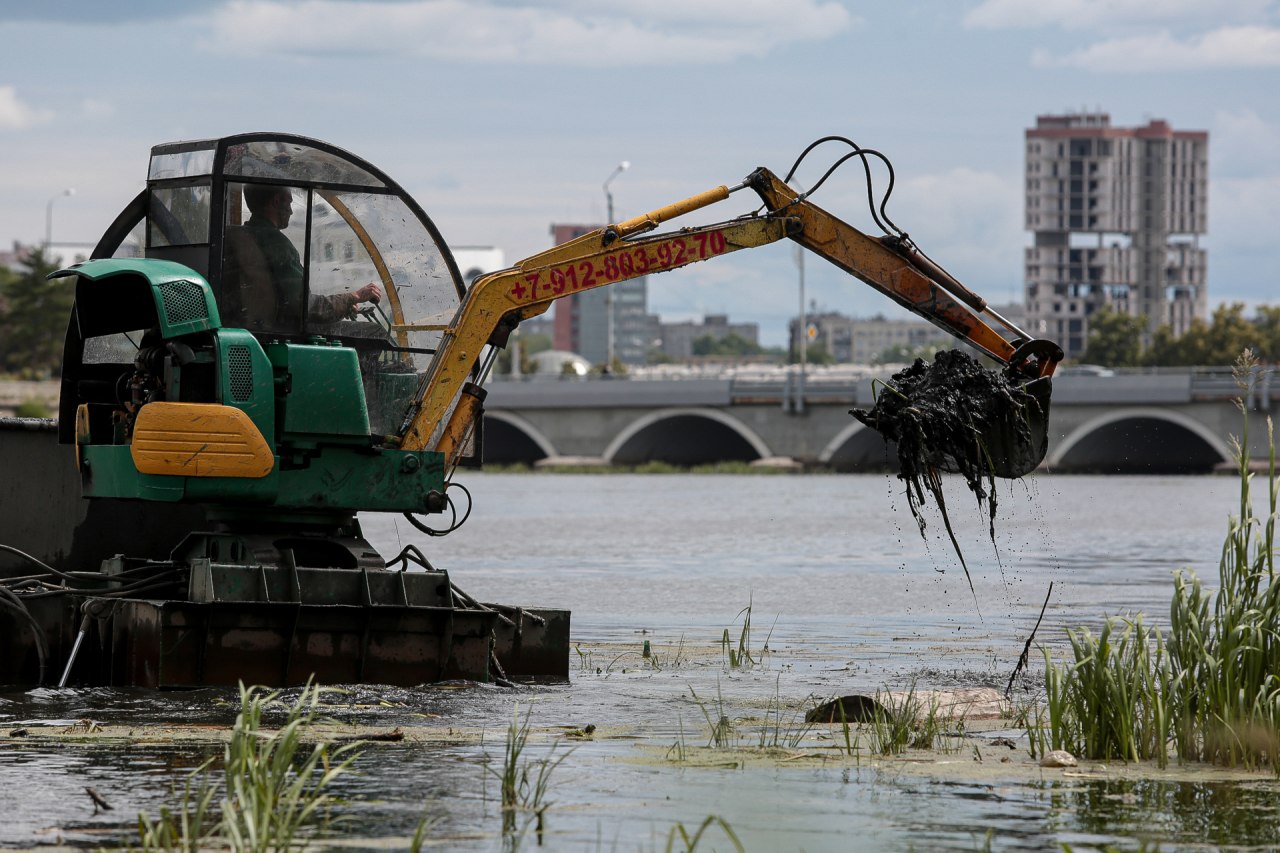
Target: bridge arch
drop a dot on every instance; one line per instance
(857, 447)
(510, 439)
(1140, 440)
(686, 436)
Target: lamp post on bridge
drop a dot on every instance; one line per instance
(608, 297)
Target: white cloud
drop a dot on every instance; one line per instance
(15, 114)
(1227, 47)
(1110, 14)
(568, 33)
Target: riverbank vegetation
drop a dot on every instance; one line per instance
(1115, 339)
(1208, 689)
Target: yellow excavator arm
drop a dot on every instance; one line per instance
(442, 414)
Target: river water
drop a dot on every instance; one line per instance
(849, 597)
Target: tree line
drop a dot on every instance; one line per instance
(1115, 339)
(33, 318)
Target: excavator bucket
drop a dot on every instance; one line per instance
(954, 415)
(1016, 443)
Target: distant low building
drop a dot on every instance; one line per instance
(861, 340)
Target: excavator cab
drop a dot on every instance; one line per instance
(217, 353)
(287, 278)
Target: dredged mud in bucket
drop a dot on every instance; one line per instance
(954, 415)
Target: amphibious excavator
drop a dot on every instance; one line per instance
(229, 404)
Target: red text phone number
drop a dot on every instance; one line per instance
(620, 264)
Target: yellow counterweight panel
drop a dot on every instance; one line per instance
(199, 440)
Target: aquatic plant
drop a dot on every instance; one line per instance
(788, 734)
(1213, 688)
(273, 788)
(524, 782)
(723, 734)
(678, 752)
(673, 657)
(897, 724)
(689, 843)
(1225, 648)
(1112, 701)
(741, 657)
(187, 827)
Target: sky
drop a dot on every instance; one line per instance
(503, 116)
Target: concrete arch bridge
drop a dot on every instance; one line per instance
(1159, 421)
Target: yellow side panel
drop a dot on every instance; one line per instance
(199, 440)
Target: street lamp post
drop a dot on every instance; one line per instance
(48, 216)
(608, 297)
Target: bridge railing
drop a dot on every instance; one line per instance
(844, 384)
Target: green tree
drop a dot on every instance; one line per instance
(1115, 339)
(1218, 342)
(33, 319)
(1268, 322)
(1229, 334)
(729, 344)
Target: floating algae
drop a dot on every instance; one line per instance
(954, 415)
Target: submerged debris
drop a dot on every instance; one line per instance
(955, 415)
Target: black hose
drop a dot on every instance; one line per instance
(455, 523)
(136, 586)
(9, 601)
(863, 153)
(30, 559)
(410, 554)
(882, 220)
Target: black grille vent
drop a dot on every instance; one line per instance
(240, 368)
(183, 302)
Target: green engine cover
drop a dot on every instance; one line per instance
(307, 400)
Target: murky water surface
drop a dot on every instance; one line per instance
(849, 598)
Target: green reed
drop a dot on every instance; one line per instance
(273, 785)
(689, 843)
(1212, 688)
(524, 782)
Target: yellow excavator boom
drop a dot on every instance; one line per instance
(496, 303)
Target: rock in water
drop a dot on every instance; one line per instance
(955, 415)
(1058, 758)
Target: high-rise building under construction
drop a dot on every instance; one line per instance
(1117, 213)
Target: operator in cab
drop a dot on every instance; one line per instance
(270, 270)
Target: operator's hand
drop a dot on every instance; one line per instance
(369, 293)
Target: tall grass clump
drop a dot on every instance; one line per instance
(741, 657)
(1212, 688)
(1225, 648)
(1111, 702)
(524, 782)
(273, 786)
